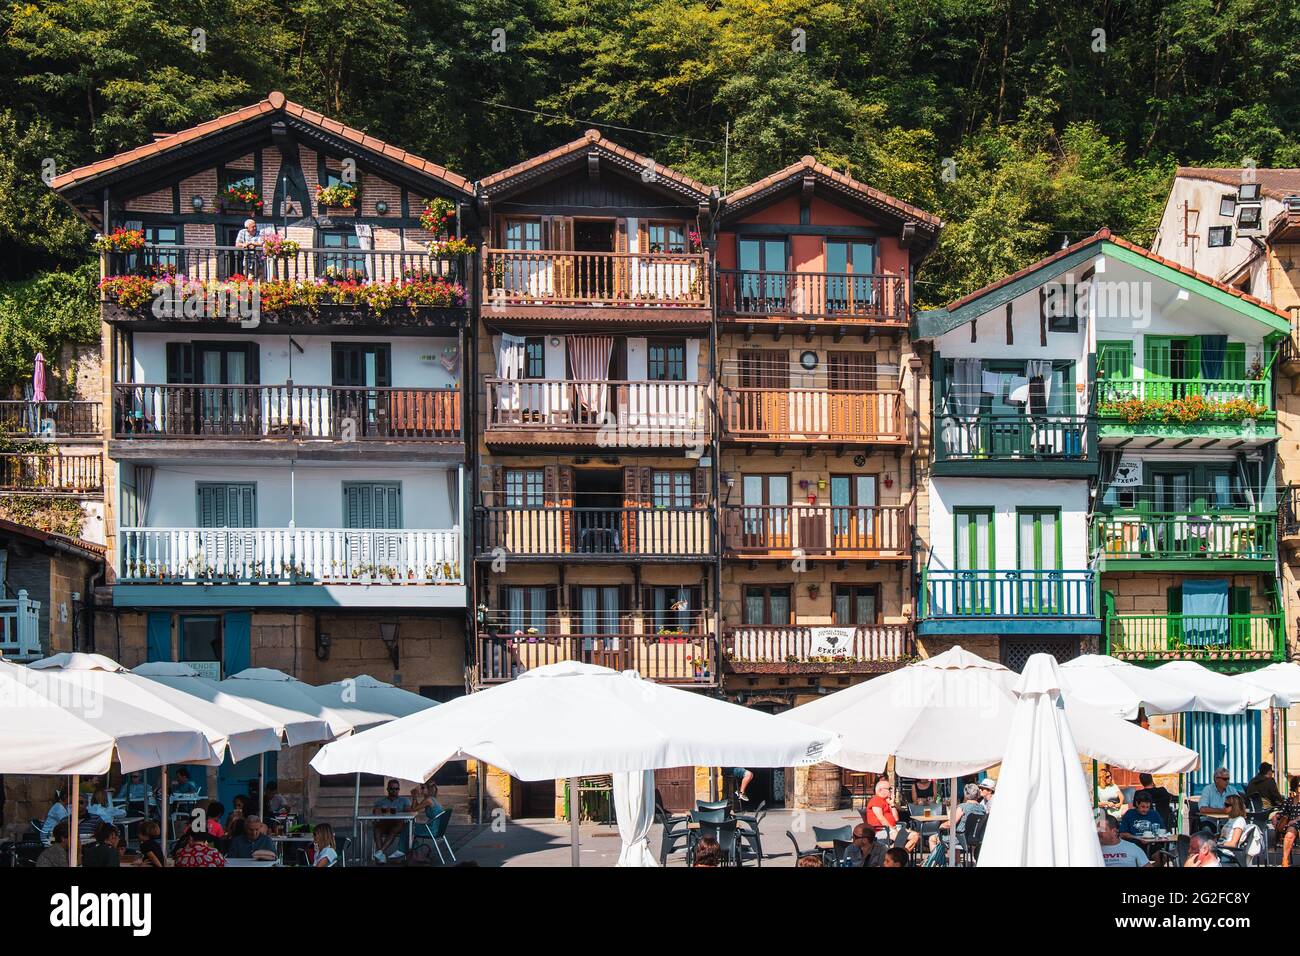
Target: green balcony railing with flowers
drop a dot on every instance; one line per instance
(1223, 640)
(1163, 401)
(1188, 539)
(285, 275)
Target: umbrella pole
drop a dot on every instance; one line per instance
(952, 823)
(75, 800)
(164, 811)
(261, 785)
(573, 818)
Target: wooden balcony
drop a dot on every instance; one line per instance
(686, 658)
(595, 534)
(393, 288)
(75, 419)
(870, 649)
(1012, 601)
(764, 416)
(1156, 541)
(1015, 446)
(20, 628)
(838, 532)
(1172, 410)
(1224, 640)
(606, 414)
(235, 556)
(1288, 518)
(288, 411)
(652, 288)
(51, 474)
(835, 300)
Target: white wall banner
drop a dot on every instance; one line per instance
(1128, 474)
(831, 642)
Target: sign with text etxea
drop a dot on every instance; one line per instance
(831, 642)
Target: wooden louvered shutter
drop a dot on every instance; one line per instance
(632, 503)
(622, 278)
(700, 487)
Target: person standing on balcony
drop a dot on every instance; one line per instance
(248, 242)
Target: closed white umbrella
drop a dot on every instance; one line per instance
(226, 729)
(1217, 693)
(570, 719)
(293, 726)
(1044, 807)
(1121, 688)
(634, 809)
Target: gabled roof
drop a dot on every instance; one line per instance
(59, 542)
(572, 154)
(793, 175)
(1276, 183)
(264, 111)
(936, 322)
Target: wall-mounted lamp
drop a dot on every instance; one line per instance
(729, 480)
(889, 481)
(388, 634)
(197, 203)
(381, 207)
(322, 646)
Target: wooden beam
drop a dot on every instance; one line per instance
(1011, 335)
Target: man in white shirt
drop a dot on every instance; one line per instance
(1115, 851)
(248, 242)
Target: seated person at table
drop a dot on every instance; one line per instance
(708, 852)
(1161, 798)
(882, 814)
(746, 777)
(1201, 852)
(57, 813)
(1287, 820)
(388, 836)
(103, 852)
(56, 854)
(137, 793)
(1264, 786)
(101, 808)
(197, 850)
(1215, 794)
(969, 807)
(1115, 851)
(1141, 819)
(183, 785)
(1110, 798)
(253, 843)
(987, 786)
(866, 850)
(895, 857)
(151, 851)
(322, 836)
(923, 791)
(215, 811)
(276, 805)
(1234, 830)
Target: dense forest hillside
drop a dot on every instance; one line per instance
(1021, 123)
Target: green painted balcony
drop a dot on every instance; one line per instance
(1176, 409)
(1132, 540)
(988, 445)
(1009, 602)
(1226, 641)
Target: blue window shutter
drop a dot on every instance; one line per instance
(158, 633)
(236, 641)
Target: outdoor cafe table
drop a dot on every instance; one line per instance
(373, 818)
(282, 842)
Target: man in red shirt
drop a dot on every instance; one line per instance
(882, 814)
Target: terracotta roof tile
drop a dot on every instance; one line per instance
(275, 101)
(1277, 183)
(809, 163)
(1105, 234)
(593, 139)
(36, 534)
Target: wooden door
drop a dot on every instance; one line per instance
(675, 787)
(849, 375)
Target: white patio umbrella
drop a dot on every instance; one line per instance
(950, 715)
(1218, 693)
(365, 702)
(1121, 688)
(570, 719)
(56, 727)
(1282, 679)
(276, 688)
(1044, 809)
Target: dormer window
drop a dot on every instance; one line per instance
(1220, 236)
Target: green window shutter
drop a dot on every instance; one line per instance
(1116, 359)
(356, 506)
(1174, 598)
(1239, 601)
(1155, 356)
(211, 507)
(227, 505)
(1234, 361)
(1174, 625)
(373, 505)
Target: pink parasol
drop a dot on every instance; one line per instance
(38, 379)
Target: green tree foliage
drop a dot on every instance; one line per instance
(44, 313)
(1023, 123)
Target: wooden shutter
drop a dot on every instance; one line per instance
(700, 486)
(1234, 361)
(223, 505)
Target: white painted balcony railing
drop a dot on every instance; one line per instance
(289, 556)
(20, 628)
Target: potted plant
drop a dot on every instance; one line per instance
(338, 196)
(437, 216)
(120, 240)
(240, 198)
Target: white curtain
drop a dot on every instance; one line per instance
(634, 808)
(365, 236)
(589, 357)
(510, 365)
